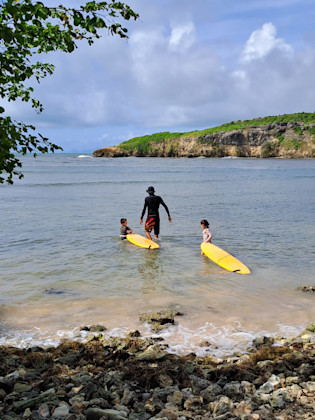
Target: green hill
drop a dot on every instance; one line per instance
(286, 136)
(141, 143)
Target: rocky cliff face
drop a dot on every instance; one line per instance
(286, 140)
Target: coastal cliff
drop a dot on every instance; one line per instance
(283, 139)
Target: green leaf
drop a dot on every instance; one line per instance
(29, 28)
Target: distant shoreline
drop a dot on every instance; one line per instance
(289, 136)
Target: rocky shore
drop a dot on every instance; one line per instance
(138, 379)
(282, 140)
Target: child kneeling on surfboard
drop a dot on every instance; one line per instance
(207, 235)
(124, 229)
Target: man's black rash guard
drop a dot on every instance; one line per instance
(152, 202)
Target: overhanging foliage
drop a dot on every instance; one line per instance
(29, 28)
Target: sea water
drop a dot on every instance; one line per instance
(63, 265)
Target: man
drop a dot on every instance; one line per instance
(152, 203)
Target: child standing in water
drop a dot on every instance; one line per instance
(124, 229)
(207, 235)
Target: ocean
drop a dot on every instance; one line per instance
(63, 265)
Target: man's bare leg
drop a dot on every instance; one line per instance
(148, 235)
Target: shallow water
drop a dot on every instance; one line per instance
(62, 263)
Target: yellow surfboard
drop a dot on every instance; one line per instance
(223, 258)
(141, 241)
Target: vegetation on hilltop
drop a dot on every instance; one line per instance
(142, 144)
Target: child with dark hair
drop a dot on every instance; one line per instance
(124, 229)
(207, 235)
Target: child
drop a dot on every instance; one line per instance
(124, 228)
(207, 235)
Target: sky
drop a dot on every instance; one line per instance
(187, 65)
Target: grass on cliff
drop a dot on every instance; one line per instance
(143, 144)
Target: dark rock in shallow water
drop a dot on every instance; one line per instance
(133, 334)
(53, 291)
(161, 319)
(261, 341)
(93, 328)
(307, 289)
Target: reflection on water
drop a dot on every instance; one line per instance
(150, 271)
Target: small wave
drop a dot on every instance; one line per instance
(207, 339)
(85, 156)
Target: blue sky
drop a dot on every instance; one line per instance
(187, 65)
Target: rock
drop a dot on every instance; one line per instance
(127, 396)
(199, 383)
(194, 403)
(261, 341)
(154, 352)
(32, 402)
(133, 334)
(204, 343)
(168, 414)
(308, 386)
(233, 389)
(27, 414)
(266, 388)
(306, 338)
(244, 407)
(158, 320)
(245, 358)
(43, 411)
(80, 406)
(2, 394)
(14, 375)
(311, 328)
(209, 395)
(165, 380)
(307, 289)
(176, 398)
(94, 328)
(272, 384)
(266, 365)
(121, 407)
(277, 400)
(61, 411)
(20, 387)
(224, 405)
(97, 413)
(248, 388)
(187, 393)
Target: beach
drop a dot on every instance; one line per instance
(136, 378)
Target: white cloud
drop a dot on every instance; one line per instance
(262, 42)
(182, 36)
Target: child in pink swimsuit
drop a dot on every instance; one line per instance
(206, 234)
